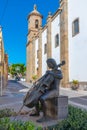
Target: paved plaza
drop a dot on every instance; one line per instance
(14, 93)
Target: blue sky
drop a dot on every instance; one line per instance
(13, 19)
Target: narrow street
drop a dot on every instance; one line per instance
(12, 96)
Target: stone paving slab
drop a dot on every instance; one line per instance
(78, 105)
(63, 91)
(79, 100)
(15, 106)
(72, 93)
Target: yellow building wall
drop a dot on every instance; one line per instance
(3, 63)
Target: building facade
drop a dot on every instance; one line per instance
(3, 63)
(62, 38)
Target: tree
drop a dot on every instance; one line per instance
(17, 68)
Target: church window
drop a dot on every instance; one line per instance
(75, 27)
(57, 40)
(36, 23)
(37, 53)
(45, 48)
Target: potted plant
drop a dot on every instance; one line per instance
(75, 84)
(34, 77)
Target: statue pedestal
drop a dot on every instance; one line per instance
(57, 108)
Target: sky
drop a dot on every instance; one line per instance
(13, 19)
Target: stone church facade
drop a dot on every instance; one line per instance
(61, 38)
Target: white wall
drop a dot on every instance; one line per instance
(77, 44)
(55, 30)
(44, 56)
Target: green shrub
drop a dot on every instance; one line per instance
(6, 124)
(7, 112)
(77, 120)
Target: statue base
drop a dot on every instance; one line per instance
(57, 108)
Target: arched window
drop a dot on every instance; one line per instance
(36, 23)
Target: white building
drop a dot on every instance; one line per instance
(62, 38)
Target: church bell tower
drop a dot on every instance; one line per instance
(34, 23)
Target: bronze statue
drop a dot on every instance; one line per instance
(45, 88)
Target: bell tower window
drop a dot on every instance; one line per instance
(36, 23)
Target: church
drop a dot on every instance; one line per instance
(62, 38)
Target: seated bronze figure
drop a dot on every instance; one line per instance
(45, 88)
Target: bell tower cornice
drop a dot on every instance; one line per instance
(35, 12)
